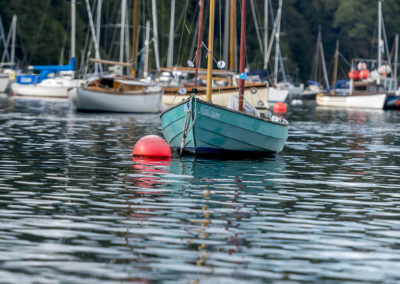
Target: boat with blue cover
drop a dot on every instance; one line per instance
(54, 80)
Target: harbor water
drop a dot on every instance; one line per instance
(76, 208)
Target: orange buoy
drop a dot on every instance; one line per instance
(152, 146)
(280, 107)
(364, 74)
(354, 74)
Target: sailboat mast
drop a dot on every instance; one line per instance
(335, 68)
(146, 50)
(155, 34)
(396, 55)
(232, 36)
(134, 36)
(199, 41)
(277, 47)
(242, 54)
(210, 50)
(170, 57)
(73, 28)
(380, 42)
(3, 39)
(98, 28)
(14, 27)
(321, 50)
(94, 39)
(253, 11)
(226, 31)
(122, 36)
(266, 34)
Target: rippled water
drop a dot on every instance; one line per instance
(75, 207)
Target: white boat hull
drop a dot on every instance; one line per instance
(376, 101)
(3, 83)
(50, 88)
(277, 95)
(88, 100)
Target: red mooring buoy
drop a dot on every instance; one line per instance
(152, 146)
(280, 107)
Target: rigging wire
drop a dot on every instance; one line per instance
(220, 29)
(35, 38)
(183, 28)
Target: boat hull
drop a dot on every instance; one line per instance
(85, 99)
(213, 129)
(277, 95)
(376, 101)
(392, 102)
(47, 89)
(3, 83)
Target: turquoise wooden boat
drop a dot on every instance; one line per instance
(213, 129)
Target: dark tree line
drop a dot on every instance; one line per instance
(44, 30)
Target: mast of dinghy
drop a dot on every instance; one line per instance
(226, 31)
(199, 41)
(232, 37)
(210, 50)
(242, 54)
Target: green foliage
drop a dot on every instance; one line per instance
(44, 30)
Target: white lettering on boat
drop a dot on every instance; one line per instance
(207, 111)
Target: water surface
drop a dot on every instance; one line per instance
(76, 208)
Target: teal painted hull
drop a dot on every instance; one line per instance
(213, 129)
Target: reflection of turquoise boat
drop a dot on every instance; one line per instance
(215, 129)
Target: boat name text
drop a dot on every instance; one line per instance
(207, 111)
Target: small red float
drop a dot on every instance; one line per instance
(354, 75)
(364, 74)
(152, 146)
(280, 107)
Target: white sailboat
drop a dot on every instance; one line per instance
(369, 91)
(53, 81)
(117, 93)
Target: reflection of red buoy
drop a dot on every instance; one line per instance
(152, 146)
(280, 107)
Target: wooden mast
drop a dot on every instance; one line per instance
(396, 55)
(232, 37)
(134, 36)
(242, 54)
(199, 40)
(210, 50)
(335, 68)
